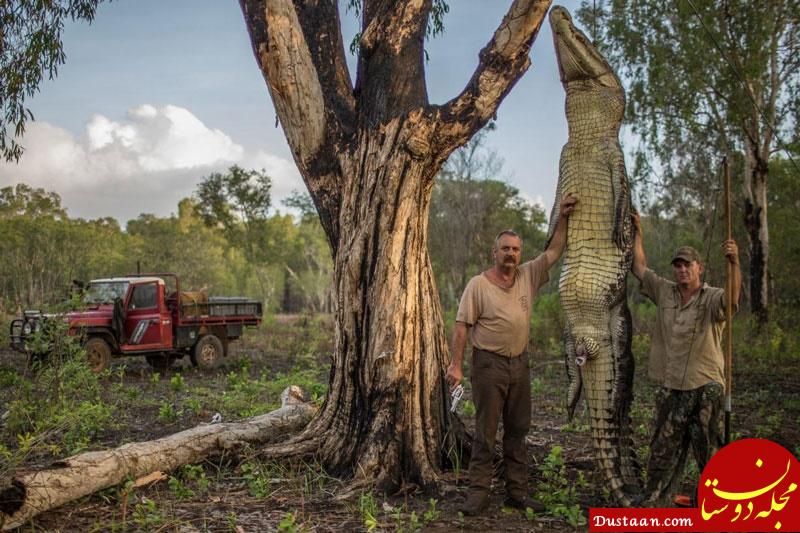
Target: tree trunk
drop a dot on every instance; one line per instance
(755, 220)
(368, 155)
(385, 416)
(32, 493)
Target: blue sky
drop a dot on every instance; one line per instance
(157, 94)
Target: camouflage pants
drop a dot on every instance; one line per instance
(683, 419)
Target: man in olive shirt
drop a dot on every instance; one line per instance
(497, 306)
(686, 360)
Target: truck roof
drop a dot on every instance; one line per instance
(129, 279)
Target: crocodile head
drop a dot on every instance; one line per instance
(578, 59)
(590, 82)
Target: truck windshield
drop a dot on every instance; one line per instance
(105, 292)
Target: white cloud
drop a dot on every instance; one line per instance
(143, 164)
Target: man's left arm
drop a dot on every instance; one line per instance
(559, 240)
(731, 251)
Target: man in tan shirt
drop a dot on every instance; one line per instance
(496, 306)
(686, 360)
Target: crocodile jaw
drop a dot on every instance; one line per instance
(578, 59)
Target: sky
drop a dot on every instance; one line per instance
(155, 95)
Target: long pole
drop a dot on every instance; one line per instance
(728, 305)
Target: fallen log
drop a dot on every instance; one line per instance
(74, 477)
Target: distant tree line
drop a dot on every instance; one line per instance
(225, 238)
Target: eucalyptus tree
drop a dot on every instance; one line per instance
(368, 153)
(30, 48)
(707, 78)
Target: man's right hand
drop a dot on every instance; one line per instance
(454, 375)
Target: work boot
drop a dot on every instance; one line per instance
(475, 504)
(522, 503)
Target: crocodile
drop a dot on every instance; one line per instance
(598, 256)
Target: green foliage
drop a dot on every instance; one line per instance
(167, 412)
(547, 324)
(718, 60)
(289, 523)
(147, 515)
(784, 204)
(179, 490)
(283, 262)
(368, 508)
(257, 478)
(470, 205)
(188, 475)
(431, 513)
(557, 491)
(237, 201)
(176, 383)
(60, 408)
(31, 48)
(706, 80)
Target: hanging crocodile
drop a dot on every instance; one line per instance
(592, 287)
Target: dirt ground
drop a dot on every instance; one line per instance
(298, 497)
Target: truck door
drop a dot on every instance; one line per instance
(143, 318)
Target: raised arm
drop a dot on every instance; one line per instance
(639, 265)
(558, 240)
(731, 251)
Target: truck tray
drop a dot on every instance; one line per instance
(223, 306)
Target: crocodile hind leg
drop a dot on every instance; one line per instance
(573, 373)
(621, 336)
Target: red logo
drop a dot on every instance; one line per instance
(750, 485)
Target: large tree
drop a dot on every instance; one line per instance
(369, 154)
(708, 78)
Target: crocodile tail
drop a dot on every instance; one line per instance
(610, 425)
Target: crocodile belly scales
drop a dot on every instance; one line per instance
(598, 255)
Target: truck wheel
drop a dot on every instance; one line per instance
(98, 354)
(207, 352)
(160, 362)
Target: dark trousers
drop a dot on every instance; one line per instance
(684, 419)
(501, 387)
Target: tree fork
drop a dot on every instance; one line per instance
(368, 157)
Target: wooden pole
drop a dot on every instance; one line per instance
(728, 305)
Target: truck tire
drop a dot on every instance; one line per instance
(160, 362)
(208, 352)
(98, 354)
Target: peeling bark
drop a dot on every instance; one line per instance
(385, 420)
(32, 493)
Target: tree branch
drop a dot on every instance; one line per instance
(321, 26)
(313, 115)
(391, 66)
(502, 63)
(285, 60)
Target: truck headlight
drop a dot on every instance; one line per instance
(27, 328)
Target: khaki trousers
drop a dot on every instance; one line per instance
(501, 387)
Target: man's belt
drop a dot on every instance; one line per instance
(524, 352)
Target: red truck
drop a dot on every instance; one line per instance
(139, 315)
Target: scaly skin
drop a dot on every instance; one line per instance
(598, 254)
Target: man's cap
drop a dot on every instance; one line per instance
(686, 253)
